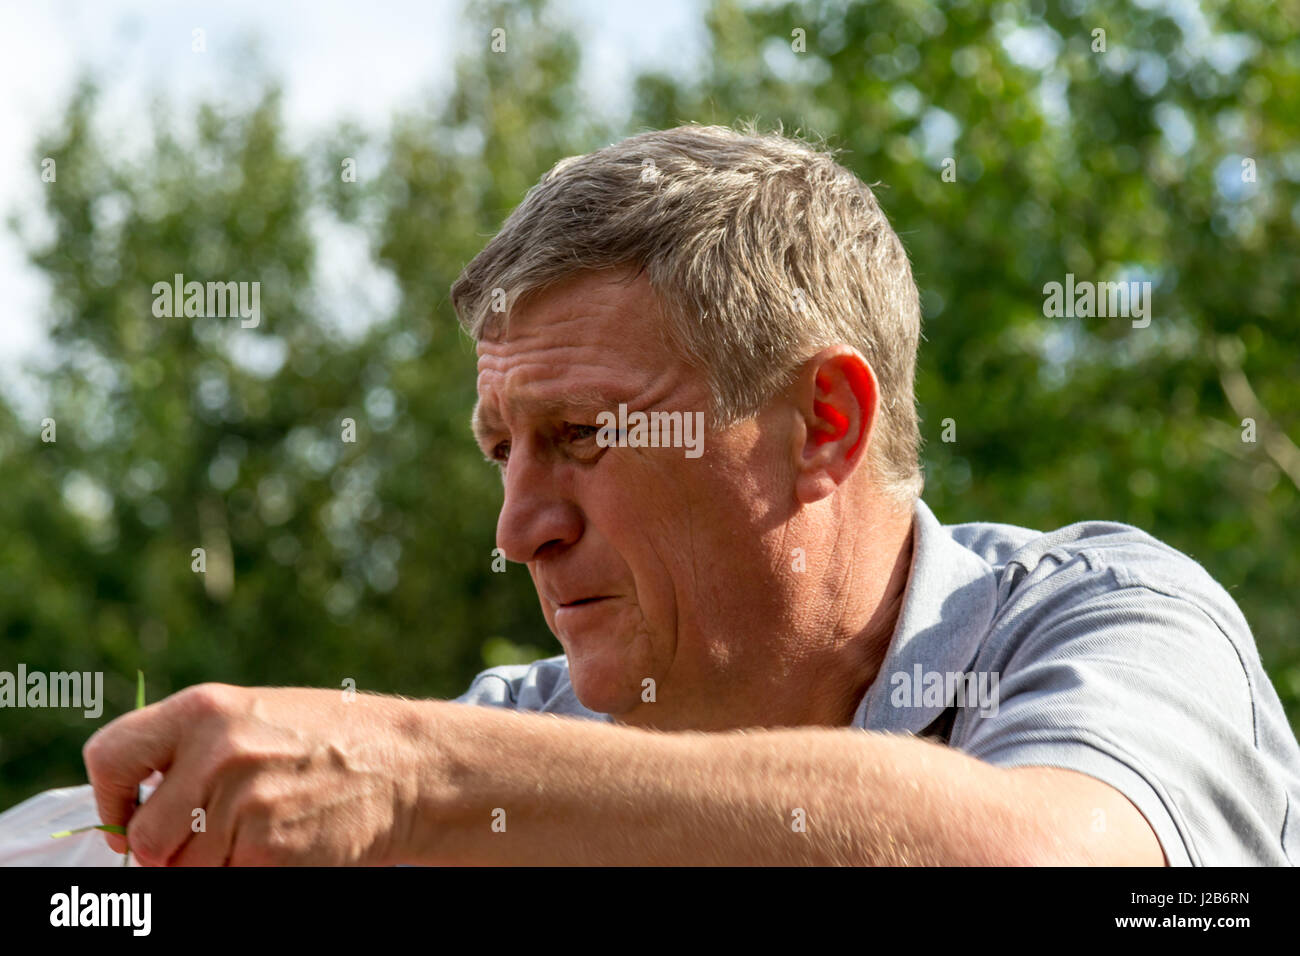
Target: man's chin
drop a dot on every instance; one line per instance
(604, 686)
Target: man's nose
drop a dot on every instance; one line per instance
(536, 514)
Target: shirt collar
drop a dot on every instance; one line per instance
(948, 608)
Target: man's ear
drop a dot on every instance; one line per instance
(837, 398)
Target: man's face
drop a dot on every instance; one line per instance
(648, 563)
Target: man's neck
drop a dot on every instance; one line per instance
(827, 688)
(879, 633)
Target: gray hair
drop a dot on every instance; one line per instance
(761, 249)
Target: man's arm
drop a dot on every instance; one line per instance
(290, 775)
(579, 792)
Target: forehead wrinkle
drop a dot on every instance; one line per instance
(525, 365)
(552, 324)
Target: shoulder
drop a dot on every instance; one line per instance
(1045, 577)
(1131, 604)
(1137, 557)
(1121, 657)
(542, 686)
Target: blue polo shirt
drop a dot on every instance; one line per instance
(1093, 648)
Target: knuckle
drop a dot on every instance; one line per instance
(233, 753)
(92, 753)
(206, 699)
(225, 752)
(259, 803)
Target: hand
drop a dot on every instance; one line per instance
(282, 775)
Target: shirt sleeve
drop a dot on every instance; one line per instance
(495, 687)
(1147, 692)
(542, 687)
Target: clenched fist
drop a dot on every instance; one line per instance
(282, 775)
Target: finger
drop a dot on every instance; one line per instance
(118, 843)
(209, 848)
(211, 845)
(121, 754)
(248, 847)
(234, 842)
(160, 827)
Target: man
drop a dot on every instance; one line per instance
(773, 650)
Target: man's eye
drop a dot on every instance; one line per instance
(501, 453)
(581, 440)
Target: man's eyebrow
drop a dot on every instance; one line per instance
(574, 401)
(481, 423)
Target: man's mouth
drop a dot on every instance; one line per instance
(582, 615)
(584, 601)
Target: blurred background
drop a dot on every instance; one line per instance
(1014, 143)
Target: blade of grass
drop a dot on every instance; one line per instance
(139, 791)
(110, 827)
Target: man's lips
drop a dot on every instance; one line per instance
(576, 612)
(579, 616)
(583, 602)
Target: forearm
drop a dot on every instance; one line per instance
(568, 791)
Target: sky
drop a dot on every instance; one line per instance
(335, 58)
